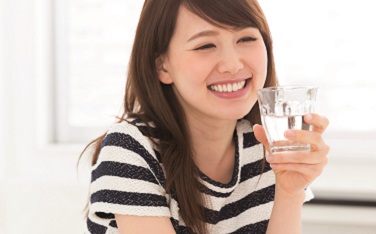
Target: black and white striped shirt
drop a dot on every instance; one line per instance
(129, 179)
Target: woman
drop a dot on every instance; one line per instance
(185, 157)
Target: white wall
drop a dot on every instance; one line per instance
(40, 190)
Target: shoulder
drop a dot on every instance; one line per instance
(127, 132)
(127, 178)
(128, 145)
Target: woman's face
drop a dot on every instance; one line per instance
(215, 72)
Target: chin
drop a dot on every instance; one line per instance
(235, 115)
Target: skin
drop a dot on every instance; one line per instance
(196, 60)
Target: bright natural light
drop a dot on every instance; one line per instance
(99, 36)
(328, 44)
(319, 44)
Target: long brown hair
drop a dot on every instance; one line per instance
(148, 99)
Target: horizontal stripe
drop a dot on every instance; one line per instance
(121, 155)
(128, 142)
(158, 155)
(253, 154)
(124, 171)
(212, 193)
(254, 215)
(234, 209)
(252, 185)
(103, 215)
(157, 211)
(248, 181)
(127, 198)
(249, 140)
(254, 169)
(178, 228)
(95, 228)
(126, 185)
(256, 228)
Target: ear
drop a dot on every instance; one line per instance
(163, 74)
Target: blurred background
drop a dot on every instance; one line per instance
(62, 78)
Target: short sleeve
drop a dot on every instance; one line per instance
(127, 179)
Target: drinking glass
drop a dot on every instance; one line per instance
(283, 108)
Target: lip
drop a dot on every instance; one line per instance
(232, 95)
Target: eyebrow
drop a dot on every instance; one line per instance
(203, 34)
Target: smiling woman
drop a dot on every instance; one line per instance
(330, 62)
(177, 162)
(214, 56)
(82, 47)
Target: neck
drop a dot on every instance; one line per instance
(212, 140)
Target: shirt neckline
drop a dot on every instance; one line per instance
(235, 173)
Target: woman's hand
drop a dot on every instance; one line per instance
(295, 170)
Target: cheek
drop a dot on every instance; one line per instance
(259, 62)
(193, 71)
(263, 59)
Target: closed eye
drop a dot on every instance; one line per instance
(205, 47)
(247, 39)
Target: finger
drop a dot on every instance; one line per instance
(299, 157)
(319, 123)
(261, 136)
(308, 137)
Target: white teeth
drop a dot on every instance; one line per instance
(228, 87)
(224, 87)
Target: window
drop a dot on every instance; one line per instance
(329, 44)
(318, 43)
(94, 40)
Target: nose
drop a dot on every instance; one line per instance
(230, 61)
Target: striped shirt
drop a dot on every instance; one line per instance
(129, 179)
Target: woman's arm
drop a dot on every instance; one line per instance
(286, 213)
(295, 171)
(128, 224)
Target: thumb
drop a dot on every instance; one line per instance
(261, 136)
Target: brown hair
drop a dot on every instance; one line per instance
(150, 100)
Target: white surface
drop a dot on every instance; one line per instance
(338, 219)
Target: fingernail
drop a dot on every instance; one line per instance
(308, 117)
(289, 133)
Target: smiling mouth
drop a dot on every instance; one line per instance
(229, 87)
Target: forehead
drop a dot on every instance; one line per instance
(188, 21)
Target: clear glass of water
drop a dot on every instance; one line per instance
(283, 108)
